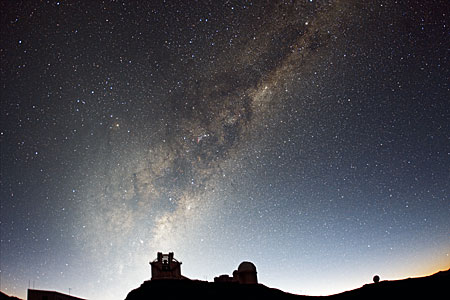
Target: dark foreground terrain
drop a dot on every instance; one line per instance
(3, 296)
(430, 287)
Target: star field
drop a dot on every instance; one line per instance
(309, 137)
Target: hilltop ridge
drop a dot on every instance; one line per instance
(426, 287)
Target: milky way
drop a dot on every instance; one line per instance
(165, 186)
(310, 131)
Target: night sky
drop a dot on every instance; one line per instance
(309, 137)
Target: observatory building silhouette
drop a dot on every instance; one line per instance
(165, 266)
(245, 274)
(49, 295)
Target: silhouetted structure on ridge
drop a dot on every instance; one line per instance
(376, 279)
(166, 267)
(245, 274)
(49, 295)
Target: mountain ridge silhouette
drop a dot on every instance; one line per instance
(429, 287)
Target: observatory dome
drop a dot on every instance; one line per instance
(246, 267)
